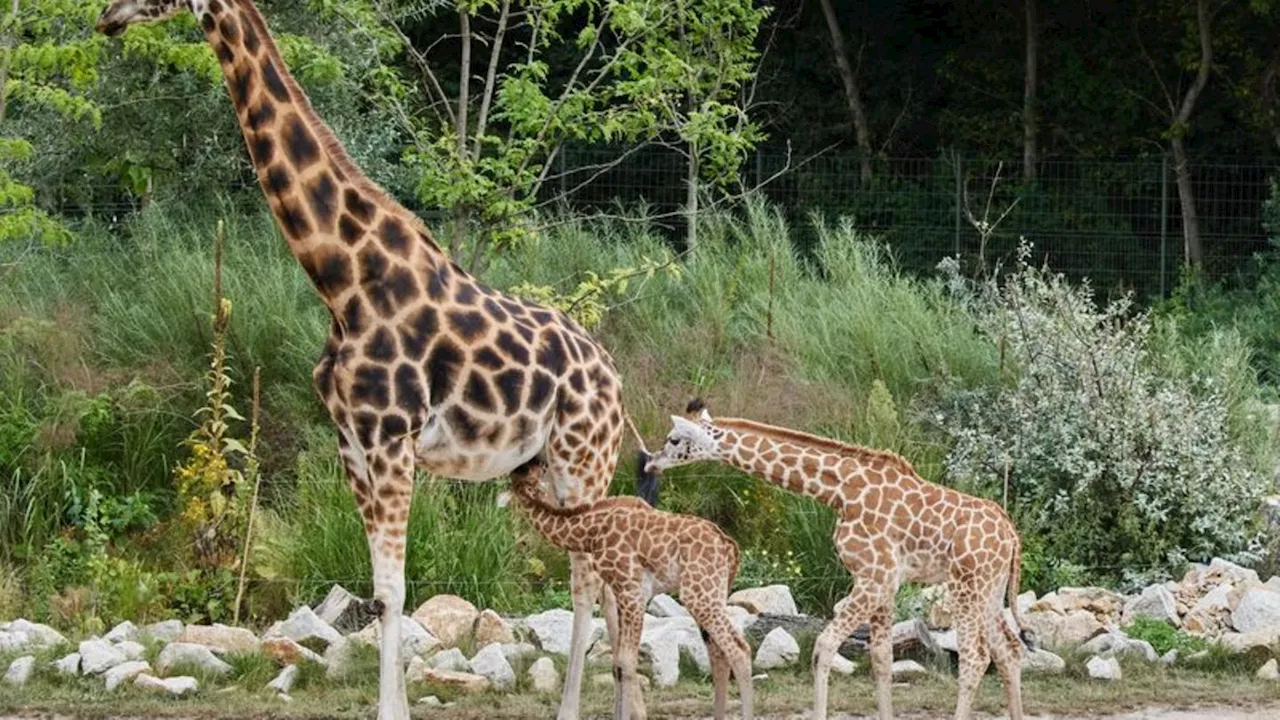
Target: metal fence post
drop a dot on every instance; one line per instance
(959, 193)
(1164, 216)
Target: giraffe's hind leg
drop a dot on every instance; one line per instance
(626, 653)
(970, 620)
(1006, 651)
(867, 598)
(719, 676)
(726, 648)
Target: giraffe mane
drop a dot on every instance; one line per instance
(861, 453)
(333, 148)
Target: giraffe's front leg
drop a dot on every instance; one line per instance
(585, 584)
(383, 485)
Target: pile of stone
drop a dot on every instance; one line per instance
(1221, 601)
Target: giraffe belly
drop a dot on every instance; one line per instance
(440, 453)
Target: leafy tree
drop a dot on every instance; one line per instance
(533, 76)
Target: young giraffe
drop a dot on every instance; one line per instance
(891, 527)
(423, 364)
(640, 551)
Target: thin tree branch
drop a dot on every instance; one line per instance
(489, 79)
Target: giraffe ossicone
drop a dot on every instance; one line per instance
(892, 526)
(424, 366)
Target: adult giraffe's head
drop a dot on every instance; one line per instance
(120, 14)
(690, 440)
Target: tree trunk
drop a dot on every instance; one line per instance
(1029, 120)
(460, 213)
(691, 199)
(1193, 249)
(10, 40)
(853, 98)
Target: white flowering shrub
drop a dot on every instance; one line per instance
(1121, 454)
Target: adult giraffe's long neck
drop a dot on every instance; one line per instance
(343, 229)
(829, 472)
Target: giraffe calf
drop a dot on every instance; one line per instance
(639, 551)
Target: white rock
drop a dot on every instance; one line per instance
(771, 599)
(68, 665)
(430, 701)
(415, 640)
(1259, 609)
(665, 639)
(124, 672)
(287, 651)
(190, 655)
(1115, 644)
(339, 656)
(491, 628)
(552, 630)
(283, 682)
(946, 640)
(543, 676)
(416, 670)
(1269, 671)
(1101, 668)
(908, 669)
(664, 605)
(219, 638)
(778, 649)
(13, 641)
(517, 653)
(20, 670)
(1244, 642)
(1170, 657)
(99, 656)
(1067, 631)
(1231, 571)
(741, 617)
(447, 617)
(122, 632)
(841, 665)
(1218, 598)
(1273, 583)
(38, 634)
(131, 649)
(490, 663)
(165, 631)
(450, 659)
(304, 627)
(176, 686)
(1155, 602)
(335, 605)
(1043, 661)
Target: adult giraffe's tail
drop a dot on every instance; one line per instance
(646, 482)
(1027, 637)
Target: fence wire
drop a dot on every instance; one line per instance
(1117, 222)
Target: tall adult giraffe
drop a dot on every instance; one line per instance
(424, 365)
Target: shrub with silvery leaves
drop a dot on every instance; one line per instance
(1118, 461)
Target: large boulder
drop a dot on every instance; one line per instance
(1042, 661)
(20, 671)
(1155, 602)
(38, 634)
(777, 650)
(122, 632)
(219, 638)
(449, 659)
(306, 628)
(131, 649)
(552, 630)
(1258, 609)
(282, 683)
(176, 686)
(124, 672)
(663, 605)
(343, 611)
(98, 656)
(664, 640)
(68, 664)
(1116, 644)
(1101, 668)
(1246, 642)
(1220, 570)
(13, 641)
(491, 664)
(491, 628)
(190, 655)
(1064, 632)
(287, 651)
(771, 599)
(1105, 605)
(903, 670)
(465, 682)
(543, 676)
(415, 640)
(165, 631)
(448, 617)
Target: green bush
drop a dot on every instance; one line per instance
(1164, 637)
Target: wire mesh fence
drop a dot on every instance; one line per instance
(1117, 222)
